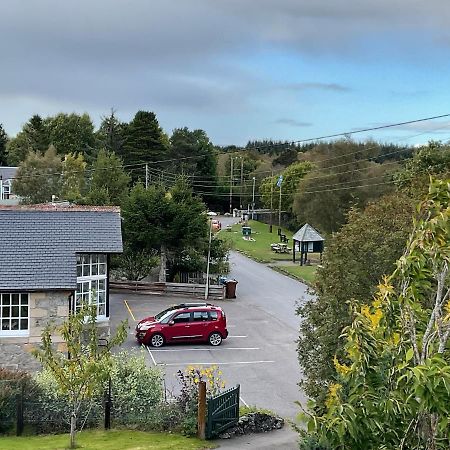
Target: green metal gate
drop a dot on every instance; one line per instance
(222, 412)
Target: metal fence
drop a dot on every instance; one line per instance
(222, 412)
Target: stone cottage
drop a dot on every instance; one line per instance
(52, 257)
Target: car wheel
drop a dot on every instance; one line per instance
(157, 340)
(215, 339)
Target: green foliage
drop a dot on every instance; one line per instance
(433, 159)
(343, 178)
(109, 181)
(73, 167)
(135, 264)
(136, 387)
(354, 262)
(32, 138)
(244, 410)
(196, 146)
(81, 375)
(395, 384)
(291, 179)
(71, 133)
(111, 134)
(3, 142)
(145, 141)
(286, 158)
(39, 177)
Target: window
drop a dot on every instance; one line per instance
(213, 315)
(91, 282)
(14, 314)
(182, 317)
(200, 316)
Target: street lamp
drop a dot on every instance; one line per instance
(253, 199)
(207, 263)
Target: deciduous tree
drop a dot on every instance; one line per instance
(3, 142)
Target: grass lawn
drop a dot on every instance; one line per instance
(260, 250)
(303, 273)
(106, 440)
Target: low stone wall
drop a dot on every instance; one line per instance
(253, 423)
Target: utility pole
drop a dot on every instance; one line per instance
(231, 186)
(279, 215)
(207, 263)
(242, 183)
(271, 203)
(146, 176)
(253, 199)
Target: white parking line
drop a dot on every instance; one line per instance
(215, 363)
(206, 349)
(151, 355)
(231, 336)
(243, 401)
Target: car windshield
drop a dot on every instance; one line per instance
(164, 313)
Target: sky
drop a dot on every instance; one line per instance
(238, 69)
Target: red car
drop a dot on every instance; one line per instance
(188, 322)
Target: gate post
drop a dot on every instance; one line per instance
(201, 418)
(19, 413)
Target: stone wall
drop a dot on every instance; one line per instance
(15, 352)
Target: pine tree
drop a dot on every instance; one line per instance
(145, 142)
(111, 134)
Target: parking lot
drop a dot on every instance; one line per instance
(259, 353)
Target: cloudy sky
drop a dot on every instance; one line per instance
(239, 69)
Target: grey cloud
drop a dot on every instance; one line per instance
(317, 86)
(293, 122)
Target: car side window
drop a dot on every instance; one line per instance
(200, 316)
(213, 315)
(182, 317)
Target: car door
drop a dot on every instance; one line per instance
(200, 320)
(179, 327)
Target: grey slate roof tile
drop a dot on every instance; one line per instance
(38, 247)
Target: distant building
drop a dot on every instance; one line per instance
(7, 175)
(53, 258)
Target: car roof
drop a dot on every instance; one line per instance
(196, 305)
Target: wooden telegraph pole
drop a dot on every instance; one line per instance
(271, 203)
(231, 186)
(201, 418)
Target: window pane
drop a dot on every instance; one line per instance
(102, 285)
(86, 287)
(6, 299)
(24, 311)
(5, 324)
(85, 259)
(102, 258)
(79, 271)
(24, 324)
(15, 299)
(95, 269)
(14, 324)
(86, 270)
(15, 311)
(182, 318)
(94, 258)
(213, 315)
(24, 299)
(101, 296)
(6, 311)
(101, 310)
(102, 269)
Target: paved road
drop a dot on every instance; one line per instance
(260, 353)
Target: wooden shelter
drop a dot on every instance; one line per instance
(307, 240)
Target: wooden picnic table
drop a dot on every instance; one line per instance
(280, 248)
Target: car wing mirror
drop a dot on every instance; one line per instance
(172, 322)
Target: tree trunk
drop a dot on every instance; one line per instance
(73, 429)
(162, 269)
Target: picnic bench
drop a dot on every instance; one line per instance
(280, 248)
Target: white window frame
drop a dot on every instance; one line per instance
(92, 269)
(4, 304)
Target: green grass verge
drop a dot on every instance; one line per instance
(303, 273)
(106, 440)
(260, 250)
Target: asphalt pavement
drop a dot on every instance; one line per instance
(260, 353)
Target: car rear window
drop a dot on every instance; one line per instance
(213, 315)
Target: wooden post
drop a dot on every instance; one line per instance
(19, 413)
(201, 418)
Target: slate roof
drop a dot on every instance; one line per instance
(307, 234)
(39, 243)
(7, 173)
